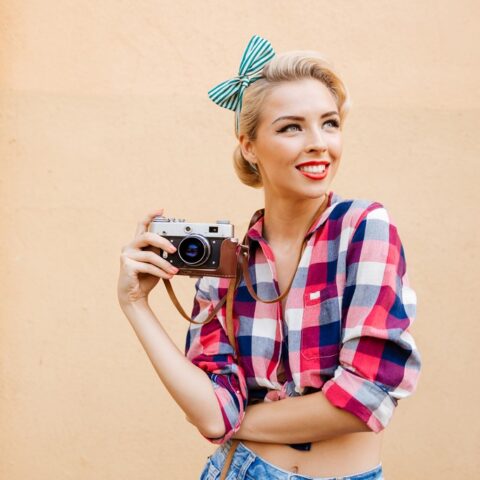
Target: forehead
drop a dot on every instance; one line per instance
(299, 97)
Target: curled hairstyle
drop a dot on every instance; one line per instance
(284, 67)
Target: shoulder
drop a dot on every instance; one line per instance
(352, 212)
(367, 226)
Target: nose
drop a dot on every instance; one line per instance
(315, 140)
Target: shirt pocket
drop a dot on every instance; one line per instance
(321, 326)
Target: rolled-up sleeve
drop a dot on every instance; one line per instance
(207, 346)
(379, 362)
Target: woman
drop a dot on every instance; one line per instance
(320, 371)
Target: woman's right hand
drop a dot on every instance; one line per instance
(141, 266)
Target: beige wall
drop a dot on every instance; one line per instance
(104, 115)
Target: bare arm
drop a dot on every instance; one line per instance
(189, 386)
(308, 418)
(140, 270)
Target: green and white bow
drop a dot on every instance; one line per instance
(229, 94)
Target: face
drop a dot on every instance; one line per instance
(298, 156)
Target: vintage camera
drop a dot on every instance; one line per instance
(203, 249)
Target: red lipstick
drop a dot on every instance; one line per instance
(314, 175)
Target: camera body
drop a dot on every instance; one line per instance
(203, 249)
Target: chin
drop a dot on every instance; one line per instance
(309, 195)
(317, 192)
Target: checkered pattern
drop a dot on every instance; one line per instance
(345, 329)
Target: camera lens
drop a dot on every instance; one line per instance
(194, 249)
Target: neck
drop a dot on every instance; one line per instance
(286, 222)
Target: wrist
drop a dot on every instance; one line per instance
(137, 305)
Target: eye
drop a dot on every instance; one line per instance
(333, 122)
(286, 128)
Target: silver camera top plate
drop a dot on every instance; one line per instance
(180, 228)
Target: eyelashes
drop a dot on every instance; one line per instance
(335, 124)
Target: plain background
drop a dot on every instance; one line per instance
(104, 115)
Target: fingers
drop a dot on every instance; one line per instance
(143, 224)
(135, 267)
(144, 250)
(152, 239)
(153, 258)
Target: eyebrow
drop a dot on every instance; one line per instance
(295, 117)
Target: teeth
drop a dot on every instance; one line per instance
(313, 168)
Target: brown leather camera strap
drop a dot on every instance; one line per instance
(248, 280)
(180, 309)
(242, 268)
(244, 256)
(228, 298)
(228, 459)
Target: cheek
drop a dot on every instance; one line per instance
(336, 145)
(279, 152)
(282, 143)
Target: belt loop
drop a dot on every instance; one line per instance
(246, 464)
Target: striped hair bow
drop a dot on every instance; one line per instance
(229, 94)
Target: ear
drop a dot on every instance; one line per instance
(248, 148)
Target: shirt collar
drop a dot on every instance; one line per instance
(255, 229)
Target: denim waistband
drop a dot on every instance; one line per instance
(247, 464)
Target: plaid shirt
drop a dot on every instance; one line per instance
(345, 329)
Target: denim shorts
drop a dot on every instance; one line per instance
(246, 465)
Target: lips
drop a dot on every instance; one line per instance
(314, 169)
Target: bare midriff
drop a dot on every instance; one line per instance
(348, 454)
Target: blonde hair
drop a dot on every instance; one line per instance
(284, 67)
